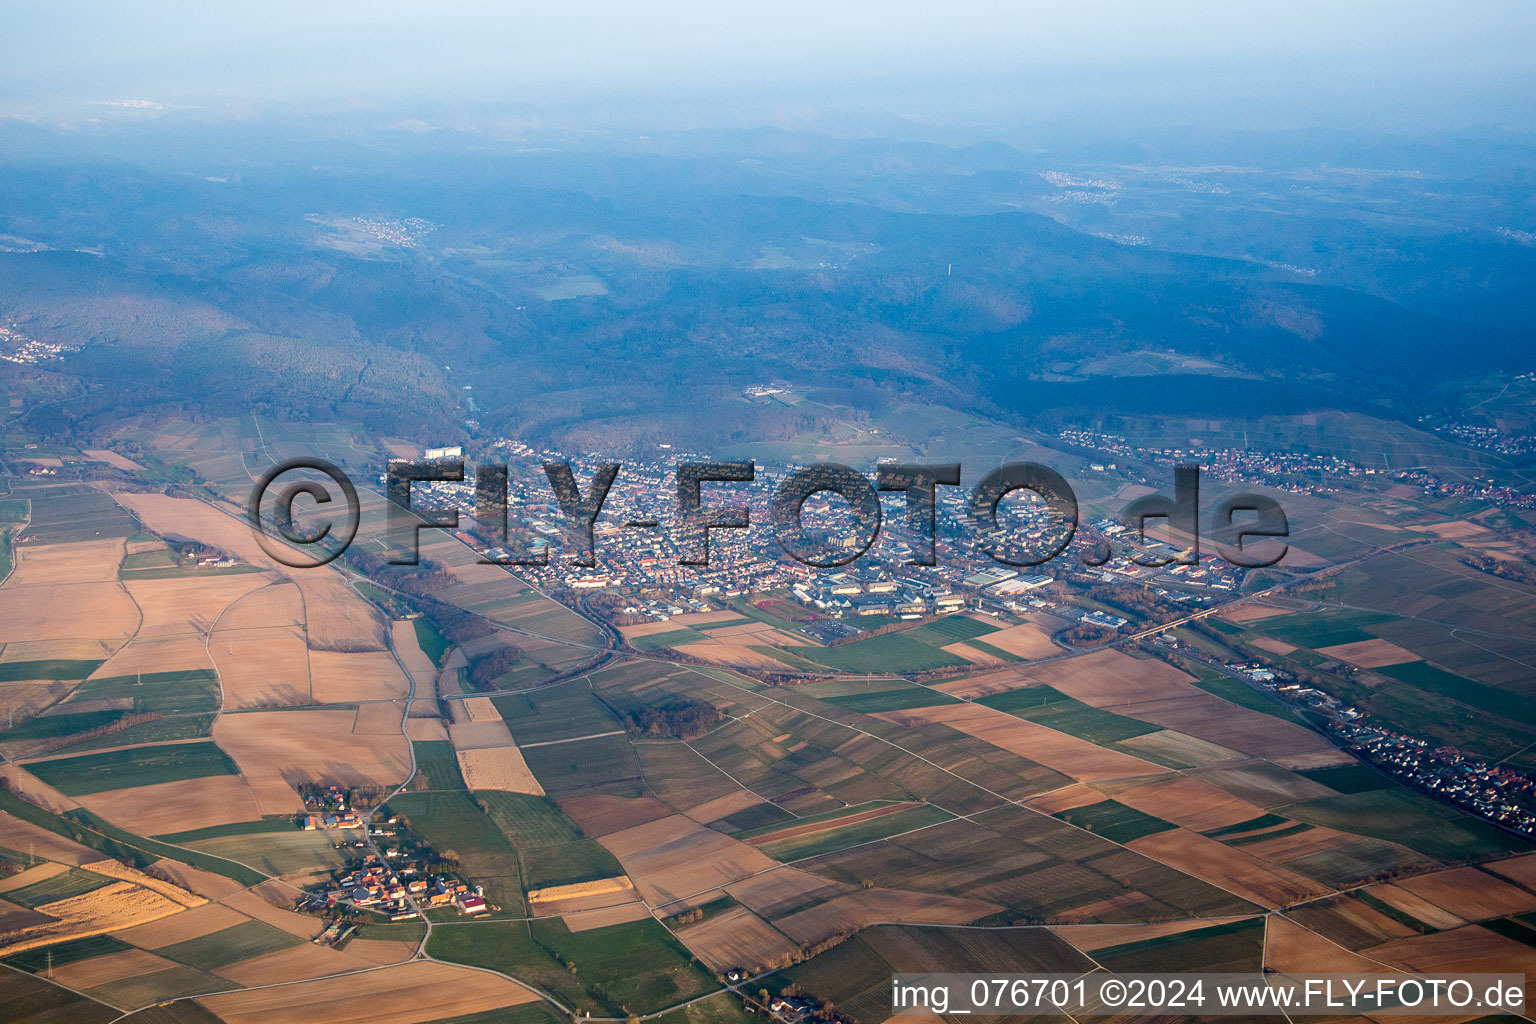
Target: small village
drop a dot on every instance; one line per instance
(405, 876)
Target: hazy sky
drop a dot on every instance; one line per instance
(1401, 63)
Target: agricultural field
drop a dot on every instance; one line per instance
(960, 794)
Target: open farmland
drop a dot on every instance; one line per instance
(134, 766)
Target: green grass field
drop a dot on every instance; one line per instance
(607, 764)
(72, 882)
(890, 652)
(276, 853)
(1320, 629)
(25, 999)
(138, 766)
(638, 965)
(884, 697)
(437, 766)
(271, 823)
(1115, 821)
(53, 668)
(1424, 676)
(36, 960)
(671, 638)
(168, 693)
(1234, 947)
(1053, 709)
(1401, 816)
(1350, 778)
(432, 642)
(454, 824)
(951, 630)
(229, 945)
(160, 730)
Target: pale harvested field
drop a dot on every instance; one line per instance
(417, 664)
(474, 735)
(163, 654)
(112, 459)
(407, 994)
(738, 938)
(337, 678)
(784, 888)
(586, 920)
(1027, 640)
(378, 719)
(258, 903)
(1456, 530)
(1370, 653)
(189, 604)
(1470, 894)
(498, 768)
(1273, 646)
(1089, 937)
(108, 909)
(43, 650)
(381, 951)
(1109, 678)
(1351, 920)
(1182, 747)
(204, 883)
(296, 963)
(600, 814)
(864, 907)
(650, 628)
(16, 834)
(985, 684)
(1471, 949)
(727, 654)
(23, 700)
(88, 561)
(703, 618)
(618, 886)
(1231, 869)
(1212, 719)
(1314, 759)
(745, 630)
(480, 709)
(972, 655)
(280, 604)
(674, 857)
(189, 518)
(189, 924)
(1066, 798)
(1075, 758)
(36, 873)
(1290, 948)
(262, 667)
(314, 745)
(176, 806)
(1521, 869)
(426, 729)
(339, 620)
(66, 612)
(1249, 612)
(103, 970)
(478, 572)
(123, 872)
(723, 806)
(1260, 784)
(1189, 802)
(35, 789)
